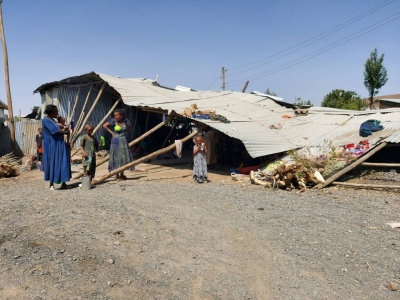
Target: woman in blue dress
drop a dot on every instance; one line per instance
(120, 153)
(56, 160)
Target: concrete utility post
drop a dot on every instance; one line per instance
(7, 79)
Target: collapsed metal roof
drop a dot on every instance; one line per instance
(251, 116)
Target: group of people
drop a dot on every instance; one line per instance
(53, 150)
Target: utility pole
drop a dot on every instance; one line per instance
(223, 78)
(7, 79)
(245, 86)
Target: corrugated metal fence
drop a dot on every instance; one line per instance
(25, 136)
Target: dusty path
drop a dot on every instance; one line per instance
(171, 239)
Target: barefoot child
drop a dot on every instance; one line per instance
(199, 160)
(89, 145)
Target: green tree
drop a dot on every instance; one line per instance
(343, 100)
(268, 92)
(375, 75)
(300, 102)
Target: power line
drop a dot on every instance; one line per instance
(212, 82)
(324, 34)
(319, 52)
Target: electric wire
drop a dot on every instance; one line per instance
(318, 52)
(212, 82)
(357, 18)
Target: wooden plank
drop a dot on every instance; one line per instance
(146, 134)
(381, 165)
(350, 167)
(365, 185)
(101, 122)
(78, 132)
(73, 109)
(145, 158)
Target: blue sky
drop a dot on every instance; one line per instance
(188, 42)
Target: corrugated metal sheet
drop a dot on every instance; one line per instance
(25, 137)
(250, 115)
(5, 141)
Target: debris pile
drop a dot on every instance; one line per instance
(288, 177)
(301, 169)
(9, 166)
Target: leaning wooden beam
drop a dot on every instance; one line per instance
(78, 124)
(147, 124)
(146, 134)
(134, 124)
(382, 165)
(73, 109)
(102, 121)
(169, 134)
(144, 158)
(351, 166)
(107, 115)
(88, 114)
(364, 185)
(103, 160)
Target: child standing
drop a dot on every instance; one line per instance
(199, 160)
(89, 145)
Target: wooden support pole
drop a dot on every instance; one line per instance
(245, 86)
(144, 158)
(381, 165)
(147, 124)
(7, 80)
(88, 114)
(169, 134)
(83, 108)
(365, 185)
(146, 134)
(351, 166)
(107, 115)
(78, 123)
(73, 109)
(102, 121)
(134, 124)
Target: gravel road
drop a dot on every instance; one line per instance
(171, 239)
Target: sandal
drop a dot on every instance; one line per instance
(123, 177)
(64, 186)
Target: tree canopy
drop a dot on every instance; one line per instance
(343, 100)
(298, 102)
(375, 75)
(268, 92)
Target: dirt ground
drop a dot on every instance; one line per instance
(160, 236)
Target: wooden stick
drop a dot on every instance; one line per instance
(169, 134)
(146, 134)
(88, 114)
(383, 165)
(103, 160)
(145, 158)
(107, 115)
(364, 185)
(8, 89)
(351, 166)
(147, 124)
(73, 109)
(78, 123)
(134, 124)
(101, 122)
